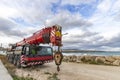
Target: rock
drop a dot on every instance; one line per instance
(65, 58)
(89, 58)
(100, 59)
(78, 59)
(116, 57)
(107, 63)
(72, 58)
(116, 63)
(109, 58)
(82, 58)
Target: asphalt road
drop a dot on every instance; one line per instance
(4, 75)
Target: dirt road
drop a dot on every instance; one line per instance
(73, 71)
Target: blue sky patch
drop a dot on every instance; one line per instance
(86, 10)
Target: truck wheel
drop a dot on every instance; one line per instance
(12, 59)
(7, 57)
(18, 63)
(15, 60)
(41, 63)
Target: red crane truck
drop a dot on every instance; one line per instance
(29, 51)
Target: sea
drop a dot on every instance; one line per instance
(95, 53)
(3, 52)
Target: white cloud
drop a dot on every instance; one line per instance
(31, 11)
(104, 19)
(104, 6)
(68, 20)
(106, 26)
(95, 32)
(7, 11)
(9, 39)
(116, 6)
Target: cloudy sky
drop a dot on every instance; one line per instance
(90, 24)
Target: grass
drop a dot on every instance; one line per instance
(11, 69)
(94, 62)
(47, 73)
(22, 78)
(52, 76)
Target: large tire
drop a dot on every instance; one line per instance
(15, 60)
(42, 63)
(12, 58)
(18, 64)
(7, 57)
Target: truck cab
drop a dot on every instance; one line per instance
(36, 50)
(29, 55)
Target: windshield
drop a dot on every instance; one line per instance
(40, 50)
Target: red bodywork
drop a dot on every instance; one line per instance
(39, 37)
(44, 36)
(42, 58)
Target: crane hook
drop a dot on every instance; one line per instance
(58, 59)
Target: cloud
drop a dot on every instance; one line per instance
(31, 11)
(104, 6)
(115, 41)
(7, 27)
(68, 20)
(90, 24)
(82, 39)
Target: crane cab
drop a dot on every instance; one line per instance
(28, 55)
(36, 50)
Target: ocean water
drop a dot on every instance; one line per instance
(3, 52)
(108, 53)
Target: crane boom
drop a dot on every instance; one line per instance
(45, 36)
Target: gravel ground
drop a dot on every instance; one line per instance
(72, 71)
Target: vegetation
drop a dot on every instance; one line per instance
(94, 62)
(52, 76)
(21, 78)
(47, 73)
(11, 69)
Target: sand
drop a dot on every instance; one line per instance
(73, 71)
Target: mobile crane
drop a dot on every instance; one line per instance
(29, 51)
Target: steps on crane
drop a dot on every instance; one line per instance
(4, 75)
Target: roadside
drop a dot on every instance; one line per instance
(4, 75)
(10, 68)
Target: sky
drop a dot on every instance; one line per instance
(90, 24)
